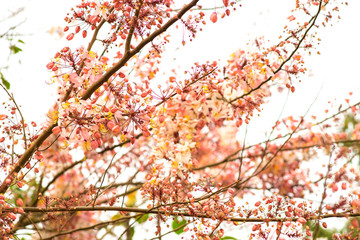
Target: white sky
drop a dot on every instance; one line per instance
(335, 69)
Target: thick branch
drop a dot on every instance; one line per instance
(48, 131)
(25, 157)
(344, 214)
(132, 53)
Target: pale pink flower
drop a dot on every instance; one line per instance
(101, 9)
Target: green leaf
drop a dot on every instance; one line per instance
(132, 232)
(21, 41)
(3, 80)
(15, 49)
(116, 217)
(228, 238)
(143, 218)
(176, 225)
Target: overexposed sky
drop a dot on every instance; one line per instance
(334, 70)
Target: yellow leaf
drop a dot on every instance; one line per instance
(116, 216)
(131, 199)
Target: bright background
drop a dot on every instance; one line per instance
(334, 73)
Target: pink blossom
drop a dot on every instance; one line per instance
(101, 9)
(213, 17)
(301, 220)
(291, 18)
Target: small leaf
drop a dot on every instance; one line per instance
(131, 199)
(6, 83)
(118, 216)
(115, 217)
(21, 41)
(176, 225)
(228, 238)
(15, 49)
(3, 80)
(143, 218)
(132, 232)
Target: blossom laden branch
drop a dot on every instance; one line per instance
(140, 46)
(48, 131)
(180, 145)
(185, 214)
(286, 60)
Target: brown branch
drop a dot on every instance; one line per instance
(132, 28)
(18, 108)
(97, 29)
(174, 230)
(323, 195)
(99, 225)
(344, 214)
(119, 145)
(22, 224)
(48, 131)
(127, 192)
(231, 158)
(60, 174)
(158, 104)
(102, 181)
(283, 63)
(25, 157)
(142, 44)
